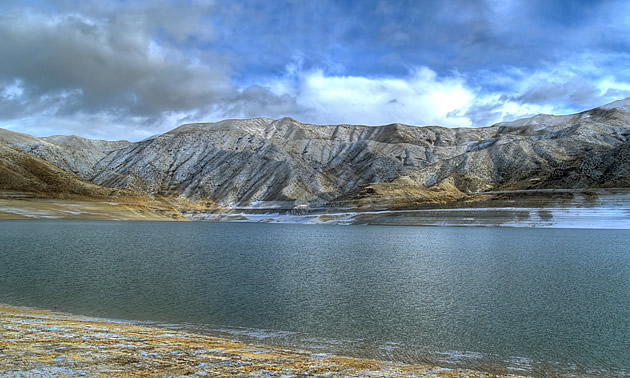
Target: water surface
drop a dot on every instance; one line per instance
(540, 300)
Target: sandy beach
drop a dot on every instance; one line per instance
(36, 342)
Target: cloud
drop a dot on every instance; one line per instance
(420, 98)
(65, 65)
(423, 97)
(132, 69)
(581, 81)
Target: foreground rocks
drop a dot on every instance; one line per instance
(43, 343)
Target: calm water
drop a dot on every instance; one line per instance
(543, 300)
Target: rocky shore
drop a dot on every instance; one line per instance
(37, 342)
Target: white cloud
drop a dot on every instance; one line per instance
(425, 98)
(12, 91)
(574, 84)
(421, 98)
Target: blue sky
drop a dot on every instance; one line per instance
(130, 69)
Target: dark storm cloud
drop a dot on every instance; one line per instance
(108, 67)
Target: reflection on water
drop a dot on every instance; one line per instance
(496, 299)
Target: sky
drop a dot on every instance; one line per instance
(121, 69)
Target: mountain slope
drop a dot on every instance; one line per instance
(283, 163)
(581, 151)
(23, 172)
(74, 154)
(35, 187)
(241, 161)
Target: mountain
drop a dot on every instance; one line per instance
(29, 164)
(265, 163)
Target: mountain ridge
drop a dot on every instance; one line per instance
(283, 163)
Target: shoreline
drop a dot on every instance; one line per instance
(593, 208)
(43, 342)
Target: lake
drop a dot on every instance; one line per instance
(534, 301)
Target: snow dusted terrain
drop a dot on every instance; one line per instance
(249, 170)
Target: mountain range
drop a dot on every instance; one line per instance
(264, 164)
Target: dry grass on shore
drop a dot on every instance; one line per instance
(43, 343)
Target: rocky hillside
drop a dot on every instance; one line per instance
(265, 163)
(23, 172)
(75, 155)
